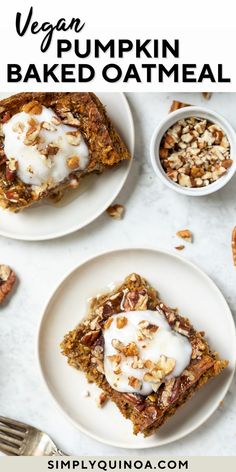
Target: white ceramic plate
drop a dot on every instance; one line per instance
(79, 207)
(180, 284)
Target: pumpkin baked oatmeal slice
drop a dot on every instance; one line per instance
(49, 141)
(147, 358)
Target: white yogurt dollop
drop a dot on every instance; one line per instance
(34, 168)
(164, 342)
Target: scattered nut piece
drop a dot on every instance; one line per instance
(137, 363)
(102, 399)
(56, 120)
(33, 108)
(135, 383)
(73, 162)
(233, 243)
(185, 234)
(121, 322)
(129, 351)
(48, 126)
(7, 281)
(180, 247)
(74, 137)
(176, 105)
(18, 127)
(207, 95)
(115, 358)
(135, 300)
(108, 322)
(146, 330)
(48, 150)
(159, 370)
(69, 119)
(116, 211)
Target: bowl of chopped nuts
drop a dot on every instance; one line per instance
(192, 151)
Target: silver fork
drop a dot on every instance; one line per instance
(20, 439)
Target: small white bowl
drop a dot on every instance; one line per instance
(169, 121)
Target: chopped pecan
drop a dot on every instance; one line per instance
(157, 371)
(176, 105)
(11, 168)
(7, 281)
(73, 162)
(48, 150)
(116, 211)
(107, 323)
(146, 330)
(18, 127)
(74, 137)
(33, 108)
(207, 95)
(129, 351)
(99, 364)
(135, 300)
(137, 363)
(102, 399)
(121, 322)
(56, 120)
(198, 347)
(32, 135)
(69, 119)
(185, 234)
(115, 358)
(183, 327)
(48, 126)
(89, 338)
(171, 391)
(135, 383)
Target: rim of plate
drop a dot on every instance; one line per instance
(60, 234)
(54, 292)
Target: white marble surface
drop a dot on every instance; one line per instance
(153, 215)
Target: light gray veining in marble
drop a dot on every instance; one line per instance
(153, 214)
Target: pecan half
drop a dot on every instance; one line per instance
(135, 399)
(89, 338)
(7, 281)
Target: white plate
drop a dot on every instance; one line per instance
(78, 208)
(180, 284)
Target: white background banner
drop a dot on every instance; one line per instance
(205, 32)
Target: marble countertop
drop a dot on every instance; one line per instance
(153, 214)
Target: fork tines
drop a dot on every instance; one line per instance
(12, 434)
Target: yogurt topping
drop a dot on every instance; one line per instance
(159, 353)
(46, 150)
